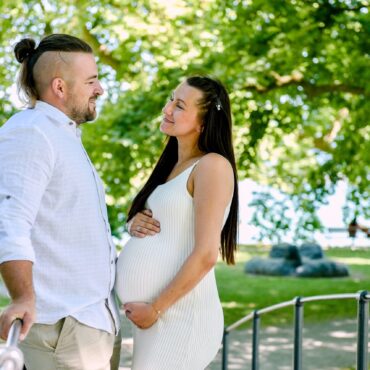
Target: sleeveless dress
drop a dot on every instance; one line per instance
(188, 335)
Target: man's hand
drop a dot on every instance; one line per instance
(17, 310)
(17, 276)
(143, 224)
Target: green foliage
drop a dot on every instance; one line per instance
(297, 72)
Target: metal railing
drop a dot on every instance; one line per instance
(11, 357)
(362, 297)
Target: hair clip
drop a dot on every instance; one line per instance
(218, 104)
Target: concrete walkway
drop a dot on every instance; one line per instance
(327, 346)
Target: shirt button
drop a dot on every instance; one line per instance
(71, 123)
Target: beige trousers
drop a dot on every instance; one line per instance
(70, 345)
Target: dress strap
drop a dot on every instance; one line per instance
(195, 163)
(192, 167)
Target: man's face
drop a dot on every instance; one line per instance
(83, 88)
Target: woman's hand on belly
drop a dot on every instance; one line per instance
(143, 224)
(142, 314)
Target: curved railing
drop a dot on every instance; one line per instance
(363, 298)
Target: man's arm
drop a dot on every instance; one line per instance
(26, 165)
(17, 276)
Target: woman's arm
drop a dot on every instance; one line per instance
(213, 185)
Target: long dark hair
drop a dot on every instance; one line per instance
(216, 137)
(27, 54)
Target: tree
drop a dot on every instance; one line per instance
(297, 72)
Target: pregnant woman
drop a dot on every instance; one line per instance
(166, 279)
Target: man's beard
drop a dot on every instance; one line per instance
(82, 114)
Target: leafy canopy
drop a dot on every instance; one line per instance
(297, 72)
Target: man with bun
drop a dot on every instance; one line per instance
(57, 257)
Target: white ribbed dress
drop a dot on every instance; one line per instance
(188, 335)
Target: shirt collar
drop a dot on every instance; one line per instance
(58, 116)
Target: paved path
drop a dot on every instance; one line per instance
(327, 346)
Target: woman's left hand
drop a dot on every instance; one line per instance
(143, 315)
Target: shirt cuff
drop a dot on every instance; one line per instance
(16, 249)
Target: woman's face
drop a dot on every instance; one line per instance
(181, 113)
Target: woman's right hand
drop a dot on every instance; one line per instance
(143, 224)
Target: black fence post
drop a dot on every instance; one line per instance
(298, 327)
(255, 341)
(225, 349)
(362, 331)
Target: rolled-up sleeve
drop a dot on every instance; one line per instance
(26, 164)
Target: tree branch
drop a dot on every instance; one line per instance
(101, 50)
(324, 142)
(48, 30)
(342, 115)
(312, 90)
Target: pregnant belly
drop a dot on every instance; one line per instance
(145, 267)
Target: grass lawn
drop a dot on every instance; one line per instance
(241, 293)
(3, 302)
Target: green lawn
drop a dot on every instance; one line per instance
(3, 302)
(241, 293)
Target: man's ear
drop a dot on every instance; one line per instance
(59, 87)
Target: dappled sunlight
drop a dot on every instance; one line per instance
(353, 260)
(277, 340)
(315, 344)
(232, 305)
(242, 256)
(327, 345)
(343, 334)
(277, 347)
(272, 329)
(274, 293)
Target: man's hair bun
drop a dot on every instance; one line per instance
(24, 49)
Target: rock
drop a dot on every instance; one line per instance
(287, 260)
(321, 268)
(270, 266)
(311, 250)
(286, 251)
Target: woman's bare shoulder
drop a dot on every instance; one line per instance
(214, 161)
(214, 167)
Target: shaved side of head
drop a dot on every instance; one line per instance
(50, 65)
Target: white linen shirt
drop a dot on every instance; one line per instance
(53, 213)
